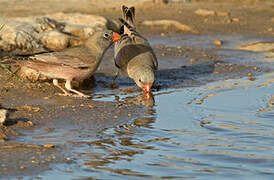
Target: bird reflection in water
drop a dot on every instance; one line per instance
(146, 99)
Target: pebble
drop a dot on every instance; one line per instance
(30, 123)
(3, 115)
(205, 12)
(49, 145)
(251, 77)
(217, 42)
(91, 106)
(192, 60)
(235, 19)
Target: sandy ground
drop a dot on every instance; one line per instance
(36, 105)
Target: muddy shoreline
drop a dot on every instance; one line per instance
(35, 106)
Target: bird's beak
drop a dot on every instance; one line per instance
(115, 37)
(147, 95)
(147, 88)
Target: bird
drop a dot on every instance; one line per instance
(73, 64)
(133, 55)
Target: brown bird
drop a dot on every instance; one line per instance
(73, 64)
(133, 54)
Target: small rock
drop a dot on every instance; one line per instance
(30, 108)
(204, 12)
(250, 76)
(204, 122)
(217, 42)
(165, 24)
(3, 115)
(235, 19)
(192, 60)
(91, 106)
(258, 47)
(30, 123)
(55, 40)
(220, 13)
(49, 145)
(270, 29)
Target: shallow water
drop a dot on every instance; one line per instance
(212, 130)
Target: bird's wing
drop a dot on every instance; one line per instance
(70, 57)
(139, 40)
(127, 49)
(130, 46)
(52, 70)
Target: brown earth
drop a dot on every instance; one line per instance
(36, 105)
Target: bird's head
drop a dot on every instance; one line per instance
(100, 40)
(144, 79)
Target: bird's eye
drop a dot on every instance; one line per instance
(106, 35)
(140, 80)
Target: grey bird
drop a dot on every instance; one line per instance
(73, 64)
(133, 54)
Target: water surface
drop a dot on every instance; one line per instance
(221, 129)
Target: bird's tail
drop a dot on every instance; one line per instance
(129, 15)
(127, 25)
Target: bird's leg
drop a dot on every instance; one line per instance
(68, 87)
(113, 81)
(66, 93)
